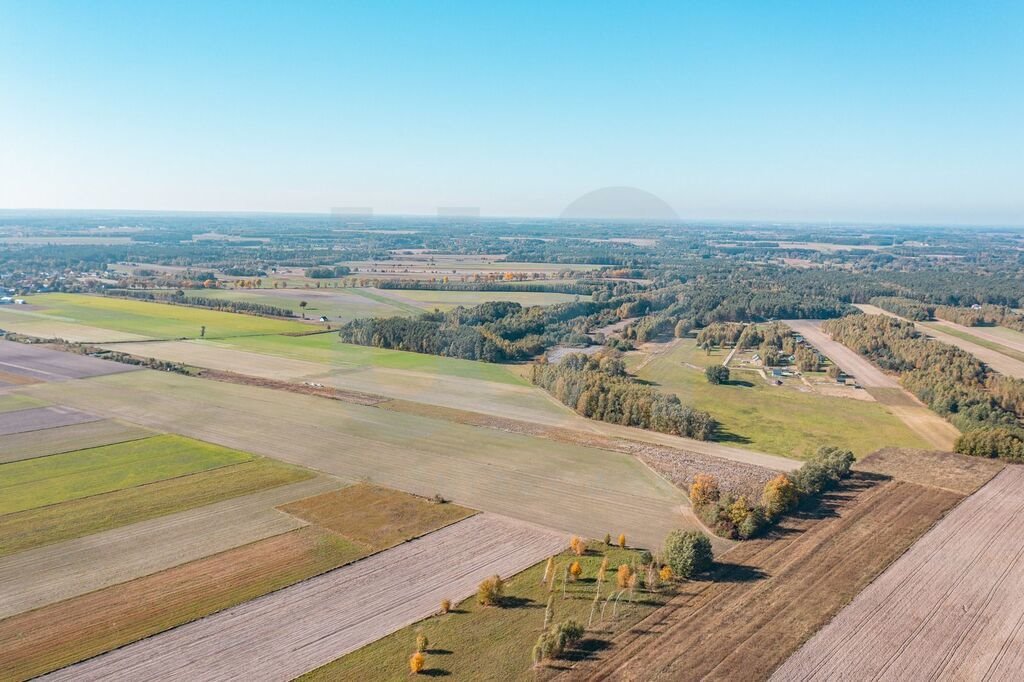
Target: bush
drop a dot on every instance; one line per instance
(704, 490)
(717, 374)
(578, 545)
(446, 605)
(489, 592)
(780, 495)
(823, 471)
(416, 663)
(575, 570)
(622, 576)
(688, 553)
(558, 638)
(622, 540)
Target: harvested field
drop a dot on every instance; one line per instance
(39, 641)
(42, 481)
(576, 489)
(49, 574)
(341, 610)
(47, 364)
(76, 518)
(949, 470)
(951, 608)
(11, 403)
(52, 441)
(39, 418)
(771, 594)
(373, 516)
(43, 327)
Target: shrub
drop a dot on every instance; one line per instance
(780, 495)
(446, 605)
(416, 663)
(602, 570)
(752, 524)
(489, 592)
(622, 576)
(688, 553)
(554, 641)
(823, 470)
(578, 545)
(665, 574)
(622, 540)
(607, 539)
(421, 642)
(717, 374)
(575, 570)
(704, 490)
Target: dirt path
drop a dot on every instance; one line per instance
(951, 608)
(289, 632)
(935, 430)
(49, 574)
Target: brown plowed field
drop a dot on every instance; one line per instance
(952, 608)
(770, 595)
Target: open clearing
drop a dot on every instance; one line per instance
(485, 643)
(52, 441)
(47, 364)
(39, 418)
(576, 489)
(771, 594)
(930, 428)
(67, 569)
(341, 610)
(45, 481)
(951, 608)
(777, 419)
(80, 517)
(152, 320)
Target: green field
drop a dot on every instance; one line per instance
(495, 643)
(42, 481)
(327, 350)
(446, 300)
(12, 403)
(75, 518)
(776, 419)
(152, 320)
(340, 305)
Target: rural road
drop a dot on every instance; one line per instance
(289, 632)
(951, 608)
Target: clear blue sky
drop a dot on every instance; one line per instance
(873, 111)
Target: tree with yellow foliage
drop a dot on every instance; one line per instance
(704, 490)
(665, 574)
(780, 495)
(578, 545)
(416, 663)
(489, 592)
(623, 575)
(575, 570)
(602, 570)
(622, 540)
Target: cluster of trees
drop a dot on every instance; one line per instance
(180, 298)
(985, 315)
(741, 518)
(951, 381)
(328, 272)
(598, 387)
(580, 288)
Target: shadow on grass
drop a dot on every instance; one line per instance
(438, 652)
(519, 603)
(738, 573)
(723, 436)
(587, 648)
(434, 672)
(738, 382)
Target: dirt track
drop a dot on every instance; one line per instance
(289, 632)
(48, 574)
(951, 608)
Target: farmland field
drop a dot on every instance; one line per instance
(446, 300)
(40, 418)
(43, 481)
(52, 441)
(142, 319)
(340, 305)
(573, 488)
(11, 403)
(770, 594)
(341, 610)
(951, 608)
(774, 419)
(476, 642)
(80, 517)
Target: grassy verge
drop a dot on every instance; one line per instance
(778, 419)
(32, 483)
(75, 518)
(491, 643)
(985, 343)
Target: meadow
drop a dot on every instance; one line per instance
(776, 419)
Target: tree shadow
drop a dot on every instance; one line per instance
(738, 382)
(586, 648)
(438, 652)
(738, 573)
(435, 672)
(518, 603)
(723, 436)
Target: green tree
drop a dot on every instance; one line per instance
(688, 553)
(717, 374)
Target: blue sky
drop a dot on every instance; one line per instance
(866, 111)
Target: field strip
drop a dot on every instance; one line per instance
(40, 418)
(53, 441)
(297, 629)
(950, 608)
(40, 362)
(52, 573)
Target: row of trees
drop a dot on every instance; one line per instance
(597, 387)
(328, 272)
(982, 316)
(180, 298)
(949, 380)
(741, 518)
